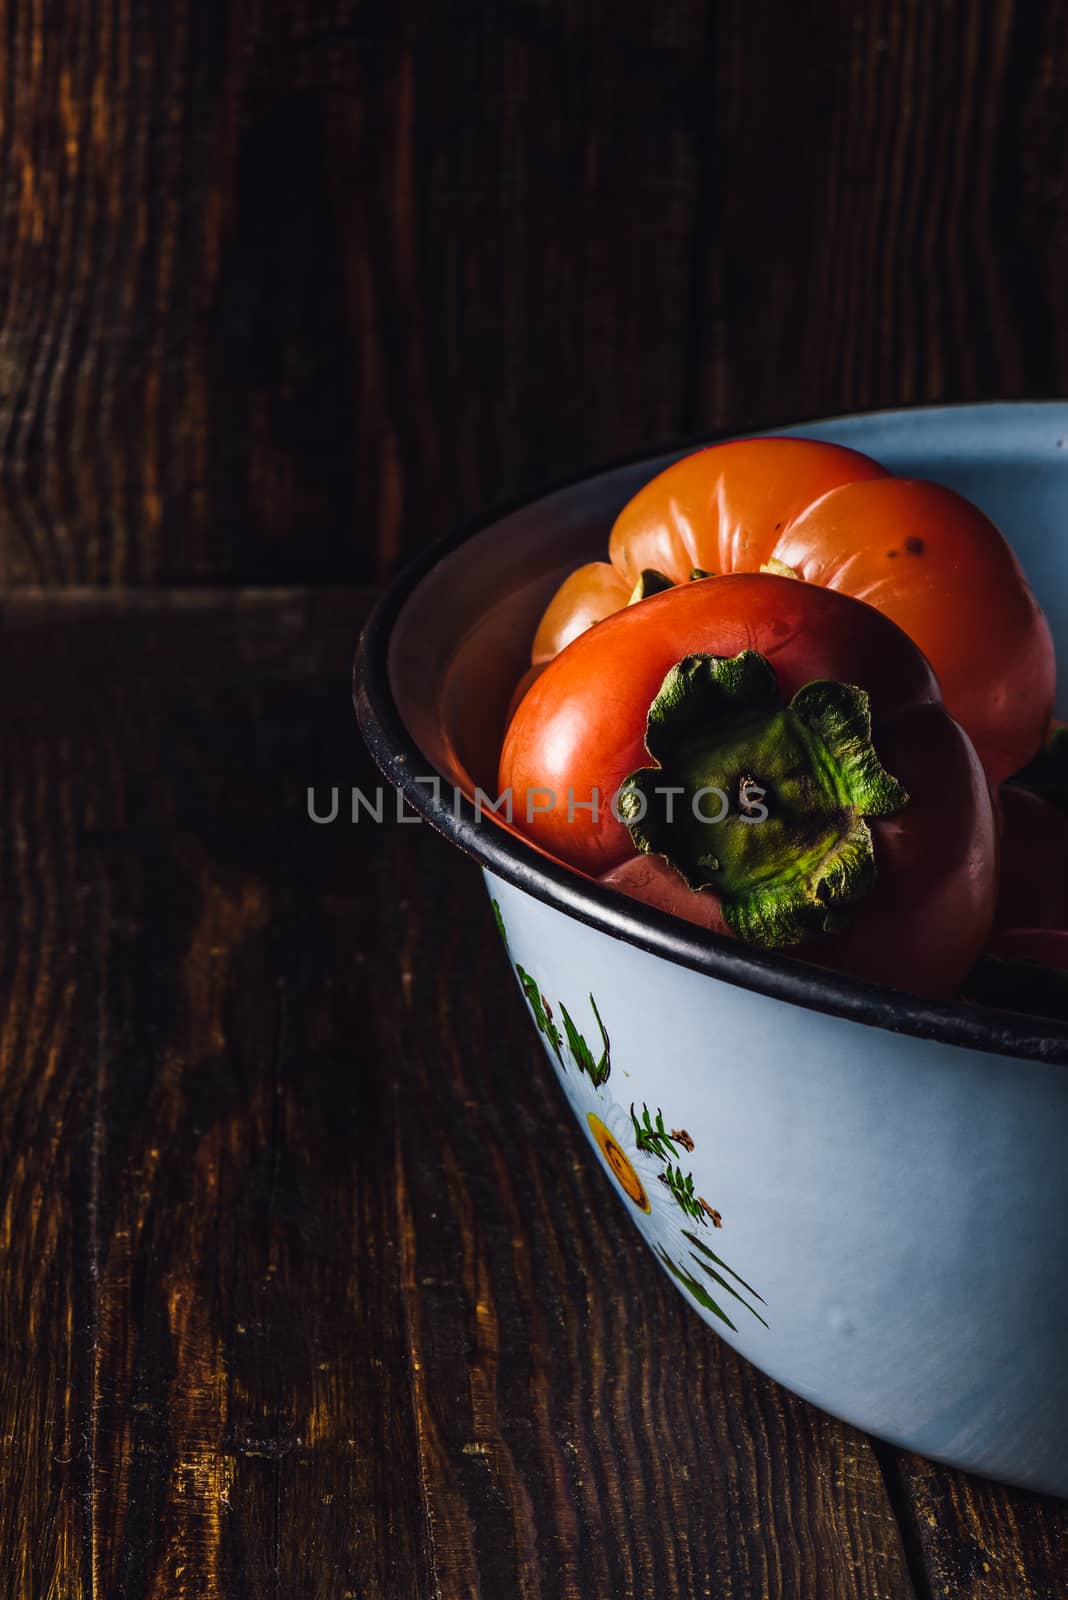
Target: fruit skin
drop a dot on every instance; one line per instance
(1033, 889)
(921, 554)
(1046, 946)
(581, 726)
(1025, 964)
(586, 595)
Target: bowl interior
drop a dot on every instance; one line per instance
(461, 640)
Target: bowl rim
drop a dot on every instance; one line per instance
(509, 856)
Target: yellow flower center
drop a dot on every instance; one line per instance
(619, 1163)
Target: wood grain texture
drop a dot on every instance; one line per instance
(291, 286)
(891, 200)
(307, 1284)
(977, 1542)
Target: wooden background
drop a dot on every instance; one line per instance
(308, 1286)
(290, 286)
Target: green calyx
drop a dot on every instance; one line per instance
(651, 581)
(1047, 771)
(763, 802)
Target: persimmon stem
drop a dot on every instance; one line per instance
(787, 847)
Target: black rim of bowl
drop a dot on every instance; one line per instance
(511, 858)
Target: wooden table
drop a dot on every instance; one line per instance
(308, 1287)
(308, 1284)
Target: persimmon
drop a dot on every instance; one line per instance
(828, 516)
(771, 759)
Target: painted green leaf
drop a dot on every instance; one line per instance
(652, 1136)
(681, 1185)
(542, 1016)
(712, 1256)
(696, 1288)
(597, 1071)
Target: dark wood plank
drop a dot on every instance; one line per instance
(887, 203)
(308, 1283)
(291, 287)
(975, 1540)
(231, 1383)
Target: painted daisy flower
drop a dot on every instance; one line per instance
(643, 1157)
(610, 1129)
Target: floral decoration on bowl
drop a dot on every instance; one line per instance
(644, 1156)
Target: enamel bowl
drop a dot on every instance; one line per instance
(864, 1192)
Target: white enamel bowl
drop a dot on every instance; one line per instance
(865, 1193)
